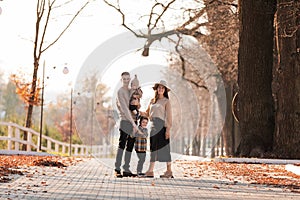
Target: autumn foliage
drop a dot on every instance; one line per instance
(13, 164)
(23, 89)
(262, 174)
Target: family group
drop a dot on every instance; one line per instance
(133, 128)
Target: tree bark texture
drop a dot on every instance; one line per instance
(31, 100)
(230, 132)
(255, 102)
(287, 80)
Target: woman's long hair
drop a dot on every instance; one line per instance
(154, 100)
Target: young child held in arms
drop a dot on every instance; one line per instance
(134, 101)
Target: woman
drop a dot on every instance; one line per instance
(160, 114)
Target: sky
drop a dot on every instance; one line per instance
(95, 25)
(96, 32)
(96, 41)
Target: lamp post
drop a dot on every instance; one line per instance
(66, 71)
(42, 108)
(71, 121)
(90, 100)
(92, 121)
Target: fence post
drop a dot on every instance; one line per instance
(38, 142)
(49, 145)
(17, 136)
(76, 151)
(29, 141)
(9, 143)
(63, 148)
(56, 147)
(15, 141)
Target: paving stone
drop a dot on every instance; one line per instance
(94, 179)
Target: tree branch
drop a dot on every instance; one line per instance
(183, 67)
(117, 8)
(67, 27)
(45, 27)
(161, 14)
(39, 13)
(150, 38)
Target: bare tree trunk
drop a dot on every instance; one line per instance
(228, 58)
(228, 128)
(256, 107)
(287, 81)
(43, 9)
(31, 100)
(197, 143)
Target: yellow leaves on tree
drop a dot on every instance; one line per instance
(24, 90)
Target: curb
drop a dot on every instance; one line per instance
(25, 153)
(258, 161)
(290, 164)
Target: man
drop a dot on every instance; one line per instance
(127, 126)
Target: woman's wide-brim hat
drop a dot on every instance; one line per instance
(163, 83)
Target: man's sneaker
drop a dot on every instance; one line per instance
(140, 174)
(128, 174)
(118, 173)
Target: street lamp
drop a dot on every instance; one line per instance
(90, 101)
(42, 108)
(66, 71)
(71, 121)
(92, 121)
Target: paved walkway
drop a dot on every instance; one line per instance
(94, 179)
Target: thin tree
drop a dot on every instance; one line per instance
(44, 11)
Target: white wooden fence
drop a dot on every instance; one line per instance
(11, 133)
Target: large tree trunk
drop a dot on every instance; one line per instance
(255, 102)
(287, 81)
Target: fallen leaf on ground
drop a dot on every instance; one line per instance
(265, 174)
(11, 164)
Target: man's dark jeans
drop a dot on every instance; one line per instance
(125, 141)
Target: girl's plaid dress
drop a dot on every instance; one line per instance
(141, 139)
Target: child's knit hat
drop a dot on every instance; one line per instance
(135, 82)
